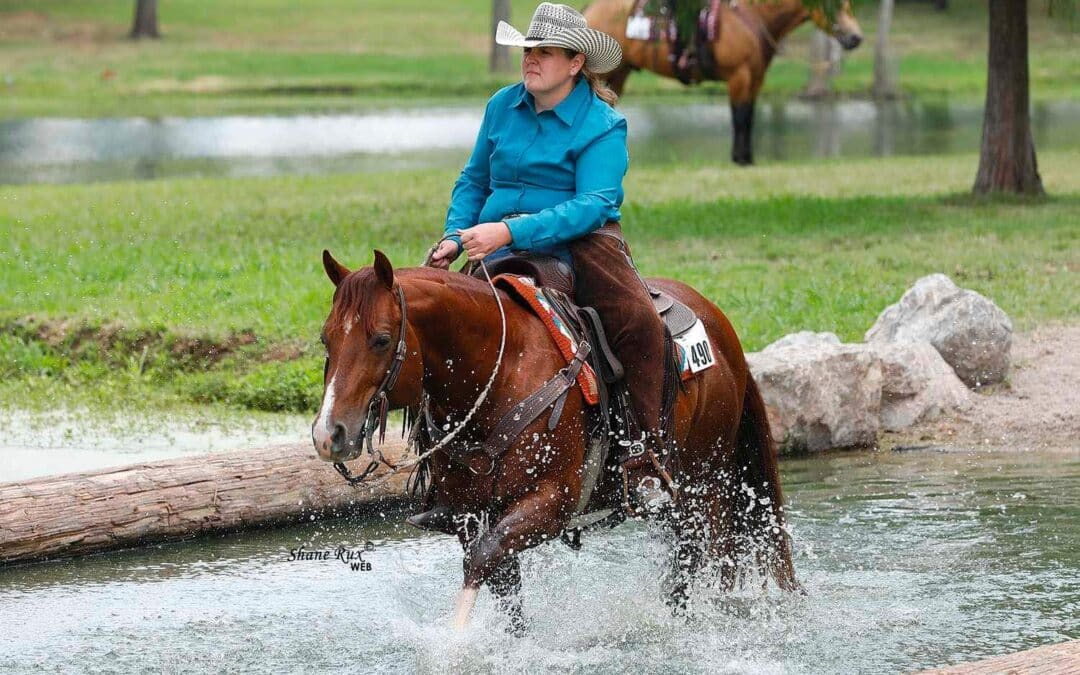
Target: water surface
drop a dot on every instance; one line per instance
(909, 560)
(57, 150)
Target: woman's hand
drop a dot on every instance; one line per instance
(484, 239)
(444, 255)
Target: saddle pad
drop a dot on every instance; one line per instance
(654, 25)
(526, 290)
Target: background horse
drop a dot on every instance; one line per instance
(729, 503)
(747, 39)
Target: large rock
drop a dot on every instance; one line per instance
(916, 384)
(970, 332)
(804, 338)
(821, 396)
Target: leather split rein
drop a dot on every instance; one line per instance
(506, 430)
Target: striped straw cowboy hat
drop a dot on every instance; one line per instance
(561, 26)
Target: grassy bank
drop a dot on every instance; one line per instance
(212, 290)
(67, 57)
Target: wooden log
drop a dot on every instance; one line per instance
(75, 514)
(1059, 659)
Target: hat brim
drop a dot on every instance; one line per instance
(602, 52)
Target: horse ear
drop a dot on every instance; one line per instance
(384, 269)
(335, 270)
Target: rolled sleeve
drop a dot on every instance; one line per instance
(599, 172)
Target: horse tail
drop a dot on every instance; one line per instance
(762, 523)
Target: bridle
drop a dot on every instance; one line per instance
(377, 415)
(379, 405)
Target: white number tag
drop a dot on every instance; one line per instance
(639, 28)
(697, 349)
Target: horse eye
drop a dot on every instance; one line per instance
(380, 340)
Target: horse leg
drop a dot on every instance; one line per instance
(741, 95)
(505, 584)
(530, 521)
(686, 557)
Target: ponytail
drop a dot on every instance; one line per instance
(596, 83)
(600, 87)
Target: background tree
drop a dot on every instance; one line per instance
(1007, 161)
(825, 55)
(500, 55)
(145, 24)
(884, 64)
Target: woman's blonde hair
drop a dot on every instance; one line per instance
(600, 87)
(596, 83)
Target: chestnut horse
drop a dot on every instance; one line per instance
(747, 38)
(443, 331)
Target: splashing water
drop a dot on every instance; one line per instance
(909, 560)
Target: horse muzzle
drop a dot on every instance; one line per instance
(334, 444)
(849, 41)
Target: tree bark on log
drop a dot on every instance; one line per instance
(76, 514)
(1007, 160)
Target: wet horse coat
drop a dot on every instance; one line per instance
(730, 506)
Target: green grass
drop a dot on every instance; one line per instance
(212, 290)
(71, 57)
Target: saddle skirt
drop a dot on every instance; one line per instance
(525, 289)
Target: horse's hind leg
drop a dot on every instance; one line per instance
(691, 532)
(505, 585)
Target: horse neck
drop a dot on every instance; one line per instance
(456, 321)
(779, 18)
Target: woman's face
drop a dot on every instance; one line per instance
(548, 69)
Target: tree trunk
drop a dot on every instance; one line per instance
(824, 64)
(884, 64)
(145, 23)
(75, 514)
(500, 55)
(1007, 161)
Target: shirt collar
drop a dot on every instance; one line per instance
(567, 108)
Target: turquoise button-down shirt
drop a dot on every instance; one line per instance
(563, 167)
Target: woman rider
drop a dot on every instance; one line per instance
(545, 175)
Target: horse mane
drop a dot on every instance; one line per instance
(353, 302)
(355, 297)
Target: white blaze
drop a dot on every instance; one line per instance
(321, 431)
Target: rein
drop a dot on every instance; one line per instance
(377, 415)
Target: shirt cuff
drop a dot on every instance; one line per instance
(521, 232)
(456, 238)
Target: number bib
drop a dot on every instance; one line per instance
(697, 354)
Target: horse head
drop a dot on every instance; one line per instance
(367, 371)
(844, 27)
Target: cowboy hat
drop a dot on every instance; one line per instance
(561, 26)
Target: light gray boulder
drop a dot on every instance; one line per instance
(804, 338)
(821, 396)
(971, 333)
(916, 384)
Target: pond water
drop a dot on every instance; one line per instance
(42, 443)
(57, 150)
(909, 560)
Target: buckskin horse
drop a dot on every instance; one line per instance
(417, 337)
(747, 39)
